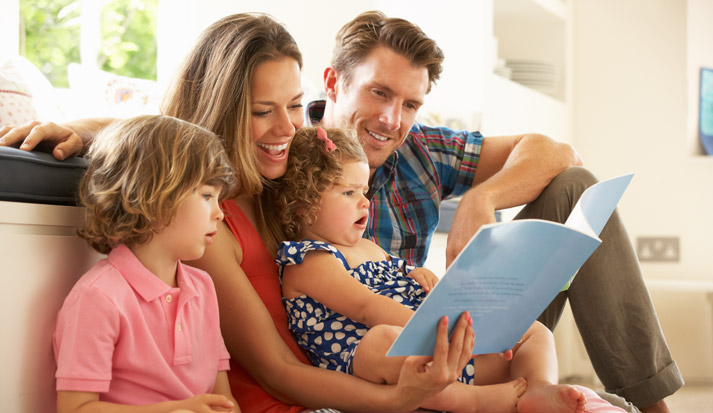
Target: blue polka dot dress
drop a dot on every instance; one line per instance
(330, 338)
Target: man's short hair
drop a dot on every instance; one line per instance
(356, 39)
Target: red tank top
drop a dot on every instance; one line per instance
(260, 268)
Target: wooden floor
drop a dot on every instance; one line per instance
(693, 398)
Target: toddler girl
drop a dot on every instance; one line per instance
(347, 299)
(140, 327)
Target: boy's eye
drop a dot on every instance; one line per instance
(349, 193)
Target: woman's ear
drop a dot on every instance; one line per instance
(330, 83)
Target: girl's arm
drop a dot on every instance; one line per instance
(85, 402)
(323, 277)
(253, 341)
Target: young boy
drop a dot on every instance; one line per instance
(140, 330)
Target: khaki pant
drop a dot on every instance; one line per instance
(610, 304)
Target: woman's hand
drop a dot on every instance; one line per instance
(424, 277)
(422, 377)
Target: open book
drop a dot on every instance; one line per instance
(509, 272)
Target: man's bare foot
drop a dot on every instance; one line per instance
(658, 407)
(552, 398)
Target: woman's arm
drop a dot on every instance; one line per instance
(322, 277)
(253, 341)
(65, 140)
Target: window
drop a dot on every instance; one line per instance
(116, 36)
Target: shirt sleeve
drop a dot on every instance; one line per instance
(454, 154)
(84, 341)
(224, 363)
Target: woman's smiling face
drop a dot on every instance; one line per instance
(276, 113)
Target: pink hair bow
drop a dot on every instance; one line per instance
(329, 146)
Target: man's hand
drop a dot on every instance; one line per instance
(474, 211)
(62, 141)
(424, 277)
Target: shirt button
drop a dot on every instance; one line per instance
(178, 327)
(168, 298)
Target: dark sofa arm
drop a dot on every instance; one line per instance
(37, 177)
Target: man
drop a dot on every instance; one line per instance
(381, 70)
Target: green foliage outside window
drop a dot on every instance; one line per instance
(129, 38)
(50, 33)
(49, 36)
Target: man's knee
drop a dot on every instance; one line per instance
(559, 197)
(574, 180)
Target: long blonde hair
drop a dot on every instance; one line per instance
(212, 89)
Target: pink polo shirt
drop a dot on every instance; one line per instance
(124, 333)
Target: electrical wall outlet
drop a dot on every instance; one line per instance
(661, 249)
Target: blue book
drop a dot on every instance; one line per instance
(509, 272)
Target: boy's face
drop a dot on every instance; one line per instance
(381, 102)
(343, 209)
(194, 225)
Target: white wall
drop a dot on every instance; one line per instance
(9, 27)
(635, 103)
(314, 24)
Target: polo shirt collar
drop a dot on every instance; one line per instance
(144, 282)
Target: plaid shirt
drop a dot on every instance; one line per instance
(432, 165)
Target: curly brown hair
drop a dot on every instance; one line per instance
(140, 170)
(311, 170)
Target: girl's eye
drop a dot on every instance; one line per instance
(207, 196)
(349, 193)
(296, 106)
(261, 113)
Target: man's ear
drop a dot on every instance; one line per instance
(330, 83)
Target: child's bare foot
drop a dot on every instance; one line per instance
(553, 398)
(495, 398)
(500, 398)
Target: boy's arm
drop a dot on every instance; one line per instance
(86, 402)
(222, 387)
(324, 278)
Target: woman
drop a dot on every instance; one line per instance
(242, 81)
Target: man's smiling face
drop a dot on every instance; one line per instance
(381, 101)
